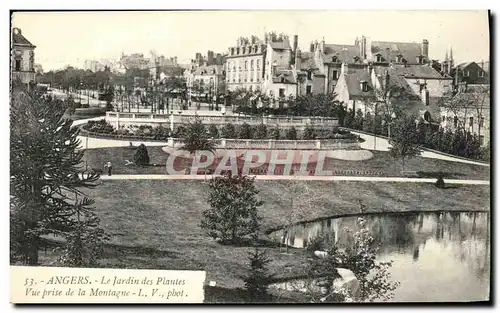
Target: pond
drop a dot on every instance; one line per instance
(439, 256)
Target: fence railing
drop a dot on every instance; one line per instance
(140, 118)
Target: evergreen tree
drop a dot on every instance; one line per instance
(197, 138)
(258, 278)
(233, 209)
(141, 156)
(45, 175)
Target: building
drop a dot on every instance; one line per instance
(206, 81)
(279, 76)
(134, 61)
(469, 108)
(328, 58)
(22, 58)
(245, 64)
(471, 73)
(362, 87)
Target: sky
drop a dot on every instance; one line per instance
(70, 38)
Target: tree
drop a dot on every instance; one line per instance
(141, 156)
(233, 209)
(45, 175)
(260, 132)
(197, 138)
(404, 140)
(258, 278)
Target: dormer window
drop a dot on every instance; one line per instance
(420, 59)
(243, 50)
(232, 51)
(282, 79)
(334, 58)
(379, 58)
(399, 58)
(355, 59)
(237, 50)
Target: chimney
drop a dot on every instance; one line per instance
(311, 47)
(344, 68)
(298, 60)
(425, 48)
(323, 45)
(295, 42)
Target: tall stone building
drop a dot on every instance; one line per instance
(22, 58)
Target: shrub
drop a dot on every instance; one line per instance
(309, 133)
(180, 132)
(275, 133)
(228, 131)
(141, 156)
(213, 131)
(260, 132)
(245, 131)
(291, 133)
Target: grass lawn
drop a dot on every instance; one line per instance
(380, 165)
(154, 224)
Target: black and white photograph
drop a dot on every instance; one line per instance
(307, 156)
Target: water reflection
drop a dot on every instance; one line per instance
(445, 254)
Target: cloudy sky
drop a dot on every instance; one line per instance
(64, 38)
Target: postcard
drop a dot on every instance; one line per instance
(329, 156)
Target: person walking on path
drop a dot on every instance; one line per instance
(109, 166)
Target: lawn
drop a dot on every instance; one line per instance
(380, 165)
(155, 224)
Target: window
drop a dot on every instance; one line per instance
(246, 65)
(267, 77)
(455, 121)
(309, 75)
(334, 58)
(258, 79)
(481, 140)
(258, 64)
(471, 121)
(399, 58)
(251, 79)
(237, 50)
(18, 65)
(243, 50)
(335, 74)
(379, 58)
(308, 89)
(232, 51)
(282, 92)
(480, 73)
(466, 73)
(481, 122)
(251, 65)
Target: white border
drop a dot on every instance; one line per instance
(187, 4)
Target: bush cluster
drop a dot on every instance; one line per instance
(228, 131)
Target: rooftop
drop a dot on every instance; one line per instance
(390, 50)
(19, 39)
(344, 53)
